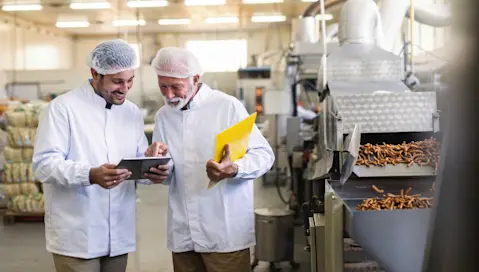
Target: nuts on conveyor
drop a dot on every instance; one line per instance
(423, 153)
(395, 202)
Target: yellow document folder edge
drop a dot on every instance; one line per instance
(237, 136)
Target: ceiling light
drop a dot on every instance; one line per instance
(174, 21)
(147, 4)
(327, 17)
(222, 20)
(90, 5)
(204, 2)
(309, 0)
(128, 22)
(268, 18)
(21, 7)
(72, 24)
(261, 1)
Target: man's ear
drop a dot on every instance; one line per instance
(196, 79)
(94, 74)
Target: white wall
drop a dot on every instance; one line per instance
(145, 86)
(259, 41)
(74, 70)
(59, 81)
(31, 48)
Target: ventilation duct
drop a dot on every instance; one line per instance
(360, 22)
(305, 29)
(393, 13)
(315, 8)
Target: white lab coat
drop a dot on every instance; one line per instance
(220, 219)
(77, 132)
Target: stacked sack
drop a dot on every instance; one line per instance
(23, 192)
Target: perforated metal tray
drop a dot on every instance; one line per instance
(398, 170)
(387, 112)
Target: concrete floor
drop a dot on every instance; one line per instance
(22, 245)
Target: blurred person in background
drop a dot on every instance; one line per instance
(82, 135)
(208, 229)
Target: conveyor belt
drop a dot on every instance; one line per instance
(362, 188)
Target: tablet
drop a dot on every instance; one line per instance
(139, 166)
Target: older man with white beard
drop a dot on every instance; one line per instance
(208, 229)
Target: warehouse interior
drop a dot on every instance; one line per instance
(341, 87)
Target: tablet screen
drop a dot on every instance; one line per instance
(139, 166)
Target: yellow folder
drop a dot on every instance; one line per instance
(237, 136)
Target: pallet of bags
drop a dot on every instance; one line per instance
(22, 191)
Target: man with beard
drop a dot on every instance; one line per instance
(209, 230)
(82, 136)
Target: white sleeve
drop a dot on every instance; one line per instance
(141, 147)
(159, 136)
(50, 163)
(259, 156)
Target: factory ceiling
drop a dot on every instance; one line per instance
(116, 16)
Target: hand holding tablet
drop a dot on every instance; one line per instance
(146, 168)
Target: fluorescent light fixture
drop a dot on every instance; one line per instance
(222, 20)
(309, 0)
(261, 1)
(128, 22)
(72, 24)
(21, 7)
(268, 18)
(327, 17)
(147, 4)
(204, 2)
(183, 21)
(90, 5)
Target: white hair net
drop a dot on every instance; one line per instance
(176, 62)
(112, 57)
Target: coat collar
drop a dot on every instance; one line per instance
(95, 98)
(202, 95)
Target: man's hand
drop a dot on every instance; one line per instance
(156, 149)
(158, 175)
(225, 169)
(107, 176)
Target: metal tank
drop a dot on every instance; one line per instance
(274, 235)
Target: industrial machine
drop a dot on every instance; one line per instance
(363, 101)
(258, 93)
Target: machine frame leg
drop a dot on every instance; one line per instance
(334, 229)
(318, 245)
(326, 234)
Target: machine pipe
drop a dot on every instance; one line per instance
(315, 8)
(360, 22)
(393, 12)
(411, 18)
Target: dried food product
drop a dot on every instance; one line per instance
(32, 203)
(26, 135)
(16, 172)
(15, 154)
(16, 118)
(32, 135)
(27, 154)
(27, 188)
(395, 202)
(7, 173)
(13, 137)
(29, 119)
(21, 136)
(422, 153)
(23, 117)
(30, 177)
(12, 190)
